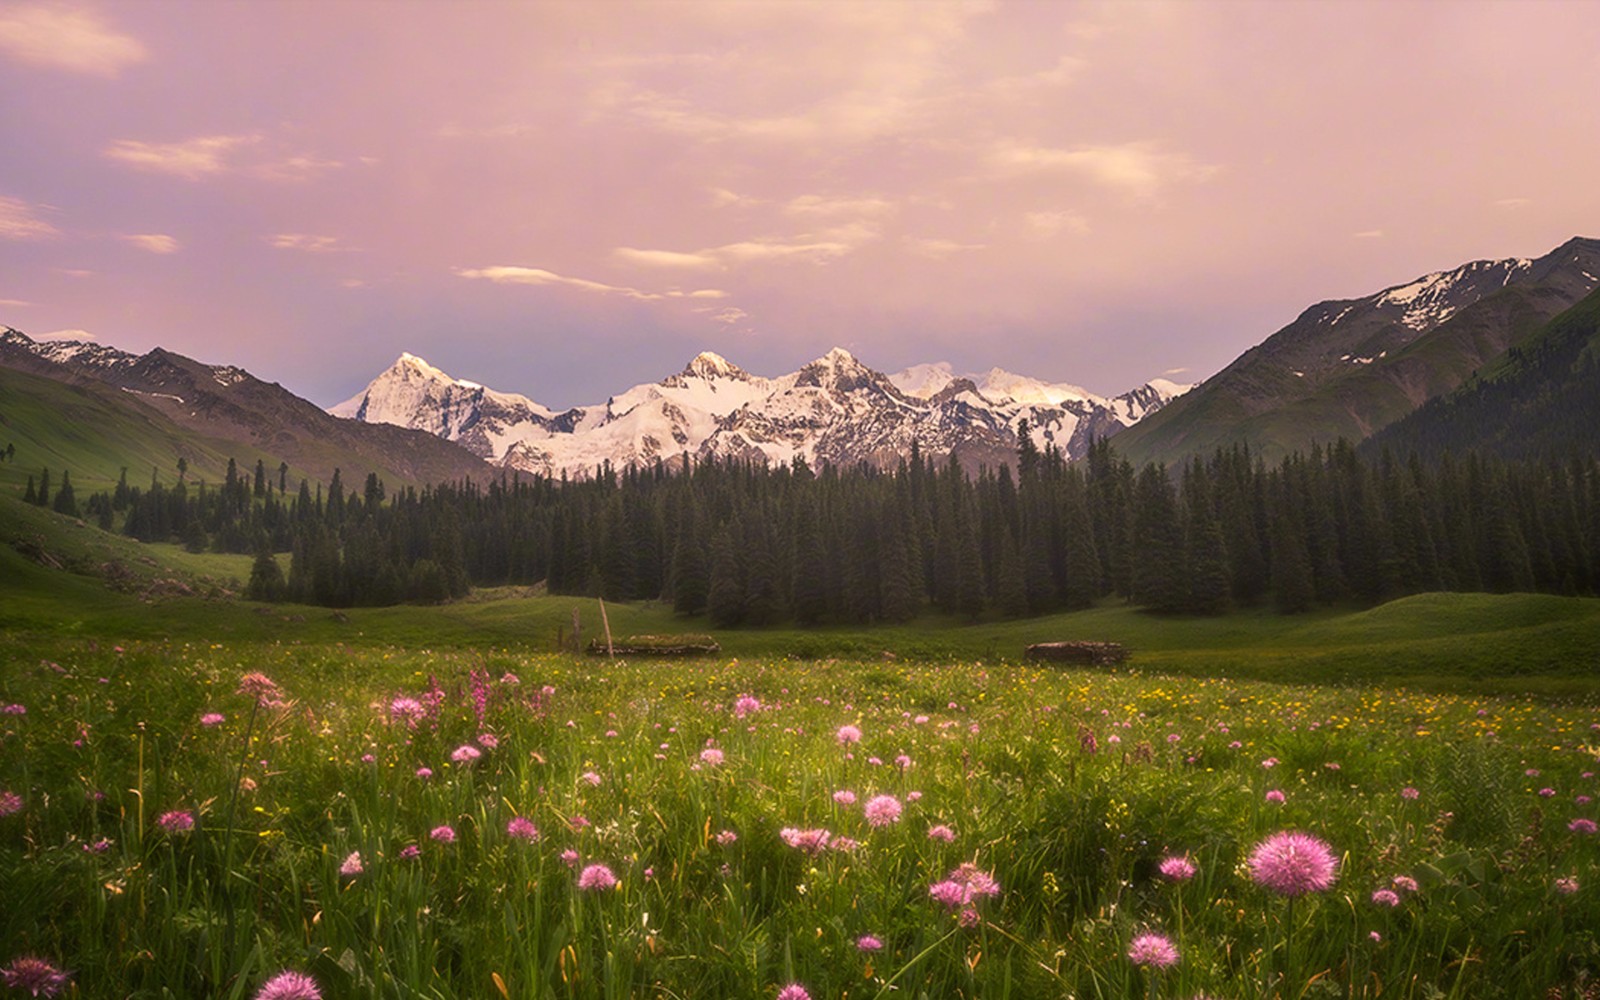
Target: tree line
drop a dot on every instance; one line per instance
(746, 544)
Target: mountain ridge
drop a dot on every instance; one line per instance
(833, 409)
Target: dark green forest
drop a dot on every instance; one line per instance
(752, 545)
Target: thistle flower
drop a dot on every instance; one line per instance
(445, 834)
(1177, 868)
(352, 865)
(848, 735)
(867, 942)
(794, 991)
(407, 711)
(941, 833)
(1386, 897)
(176, 821)
(882, 810)
(289, 986)
(38, 977)
(1291, 864)
(1153, 951)
(521, 828)
(466, 754)
(596, 878)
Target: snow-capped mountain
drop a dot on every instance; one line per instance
(834, 410)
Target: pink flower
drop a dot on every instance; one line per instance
(596, 878)
(1547, 793)
(845, 797)
(903, 762)
(406, 711)
(100, 846)
(726, 837)
(1582, 825)
(212, 719)
(38, 977)
(1270, 763)
(367, 758)
(848, 734)
(289, 986)
(424, 773)
(443, 834)
(488, 741)
(745, 706)
(260, 687)
(794, 991)
(176, 821)
(941, 833)
(352, 865)
(409, 851)
(10, 803)
(1405, 883)
(14, 710)
(466, 754)
(1386, 897)
(1153, 951)
(521, 828)
(591, 778)
(1291, 863)
(882, 810)
(812, 842)
(1177, 868)
(1274, 796)
(711, 756)
(1567, 885)
(949, 892)
(569, 857)
(867, 942)
(1409, 793)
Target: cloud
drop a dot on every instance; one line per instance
(153, 242)
(1368, 234)
(190, 159)
(664, 258)
(818, 247)
(18, 222)
(820, 205)
(79, 41)
(1175, 371)
(731, 315)
(307, 243)
(15, 303)
(507, 274)
(939, 249)
(1513, 203)
(1136, 168)
(65, 335)
(1045, 224)
(294, 168)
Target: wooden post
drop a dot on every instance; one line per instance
(610, 651)
(577, 631)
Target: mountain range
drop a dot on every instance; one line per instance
(833, 410)
(1502, 355)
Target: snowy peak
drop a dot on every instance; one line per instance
(835, 410)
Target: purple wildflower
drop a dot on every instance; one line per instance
(260, 687)
(596, 878)
(1405, 883)
(1177, 868)
(867, 942)
(569, 857)
(443, 834)
(466, 754)
(1291, 864)
(424, 773)
(409, 851)
(1409, 794)
(212, 719)
(38, 977)
(812, 842)
(1153, 951)
(1567, 885)
(882, 810)
(176, 821)
(745, 706)
(522, 828)
(845, 797)
(10, 803)
(848, 735)
(290, 986)
(1274, 796)
(794, 991)
(711, 756)
(1386, 897)
(1582, 825)
(407, 711)
(941, 833)
(352, 865)
(726, 837)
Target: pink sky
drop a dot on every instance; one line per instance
(564, 199)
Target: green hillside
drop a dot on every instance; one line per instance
(1542, 396)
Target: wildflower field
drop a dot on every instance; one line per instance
(256, 820)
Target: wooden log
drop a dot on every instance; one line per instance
(1094, 654)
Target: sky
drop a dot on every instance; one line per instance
(566, 199)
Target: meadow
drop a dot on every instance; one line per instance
(188, 818)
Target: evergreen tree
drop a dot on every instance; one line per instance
(1011, 591)
(32, 495)
(1158, 579)
(691, 572)
(65, 502)
(266, 578)
(725, 600)
(809, 585)
(43, 498)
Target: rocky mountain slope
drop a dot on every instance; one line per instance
(221, 403)
(1350, 367)
(835, 410)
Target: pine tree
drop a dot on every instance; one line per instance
(691, 573)
(1011, 591)
(809, 583)
(43, 498)
(32, 495)
(1157, 578)
(65, 502)
(725, 600)
(266, 578)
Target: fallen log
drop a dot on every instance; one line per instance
(1093, 654)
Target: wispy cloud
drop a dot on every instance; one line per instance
(1046, 224)
(827, 207)
(65, 335)
(15, 303)
(152, 242)
(1368, 234)
(307, 243)
(191, 159)
(818, 247)
(1141, 169)
(56, 37)
(19, 222)
(211, 155)
(1513, 203)
(509, 274)
(939, 249)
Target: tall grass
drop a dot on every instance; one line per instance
(1069, 788)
